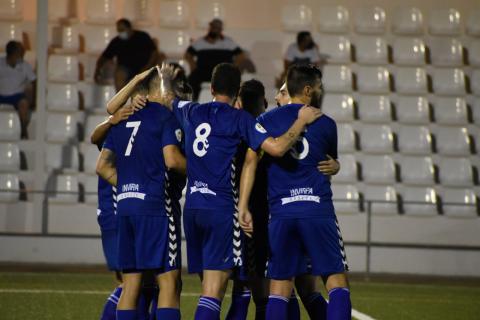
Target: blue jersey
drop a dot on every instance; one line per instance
(141, 172)
(107, 202)
(296, 188)
(213, 132)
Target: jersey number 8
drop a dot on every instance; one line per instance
(200, 144)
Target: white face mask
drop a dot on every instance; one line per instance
(123, 35)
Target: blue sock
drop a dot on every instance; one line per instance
(316, 306)
(339, 306)
(142, 308)
(110, 308)
(168, 314)
(127, 315)
(208, 309)
(239, 307)
(277, 308)
(293, 307)
(260, 309)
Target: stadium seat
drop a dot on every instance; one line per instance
(473, 23)
(346, 198)
(337, 48)
(446, 52)
(407, 21)
(90, 124)
(453, 141)
(10, 31)
(415, 140)
(371, 50)
(10, 10)
(90, 156)
(349, 170)
(379, 170)
(339, 106)
(66, 189)
(456, 172)
(98, 37)
(413, 110)
(173, 43)
(411, 81)
(10, 186)
(346, 138)
(209, 10)
(91, 189)
(205, 95)
(475, 82)
(375, 109)
(384, 199)
(451, 111)
(58, 156)
(444, 22)
(417, 171)
(337, 78)
(100, 11)
(96, 96)
(370, 20)
(374, 80)
(70, 39)
(138, 11)
(474, 54)
(449, 82)
(459, 203)
(63, 68)
(296, 17)
(10, 124)
(476, 112)
(60, 10)
(376, 139)
(9, 157)
(420, 201)
(334, 19)
(61, 127)
(62, 97)
(6, 107)
(174, 14)
(409, 52)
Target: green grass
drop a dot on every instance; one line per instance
(84, 294)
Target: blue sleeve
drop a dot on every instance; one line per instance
(333, 140)
(171, 134)
(251, 131)
(180, 110)
(109, 143)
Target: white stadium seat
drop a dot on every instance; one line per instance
(10, 31)
(459, 203)
(70, 39)
(444, 22)
(375, 109)
(376, 139)
(90, 156)
(446, 52)
(415, 140)
(338, 49)
(411, 81)
(449, 81)
(476, 112)
(339, 106)
(91, 189)
(417, 171)
(371, 50)
(173, 43)
(337, 78)
(61, 127)
(6, 107)
(346, 138)
(90, 124)
(451, 111)
(370, 20)
(100, 11)
(346, 198)
(423, 201)
(453, 141)
(334, 19)
(62, 97)
(205, 95)
(374, 80)
(384, 199)
(475, 82)
(174, 14)
(9, 157)
(473, 23)
(138, 11)
(407, 21)
(208, 11)
(413, 110)
(456, 172)
(96, 96)
(10, 184)
(379, 170)
(58, 156)
(474, 53)
(60, 10)
(296, 17)
(98, 37)
(409, 52)
(10, 124)
(66, 189)
(63, 68)
(349, 169)
(10, 10)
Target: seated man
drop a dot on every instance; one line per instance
(16, 77)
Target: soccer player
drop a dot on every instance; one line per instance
(303, 220)
(140, 151)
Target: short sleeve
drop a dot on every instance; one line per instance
(251, 131)
(315, 56)
(111, 50)
(180, 110)
(31, 76)
(109, 143)
(333, 140)
(172, 134)
(290, 54)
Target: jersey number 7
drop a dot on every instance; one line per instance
(135, 125)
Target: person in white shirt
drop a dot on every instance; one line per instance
(16, 83)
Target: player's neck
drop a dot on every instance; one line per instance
(300, 100)
(222, 98)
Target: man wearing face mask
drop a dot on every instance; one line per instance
(134, 51)
(16, 77)
(206, 52)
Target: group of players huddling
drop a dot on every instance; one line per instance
(258, 205)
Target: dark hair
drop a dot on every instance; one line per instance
(150, 83)
(252, 95)
(302, 35)
(13, 47)
(300, 76)
(226, 79)
(125, 22)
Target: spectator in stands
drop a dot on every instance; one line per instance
(210, 50)
(16, 83)
(134, 51)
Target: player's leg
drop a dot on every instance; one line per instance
(293, 307)
(168, 305)
(23, 107)
(312, 299)
(240, 300)
(260, 287)
(127, 305)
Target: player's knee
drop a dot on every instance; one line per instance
(338, 280)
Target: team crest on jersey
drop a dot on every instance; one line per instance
(260, 128)
(178, 134)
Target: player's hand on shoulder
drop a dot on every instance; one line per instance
(329, 167)
(309, 114)
(245, 220)
(138, 102)
(122, 114)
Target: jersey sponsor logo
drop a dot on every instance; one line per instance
(260, 128)
(127, 195)
(301, 194)
(201, 187)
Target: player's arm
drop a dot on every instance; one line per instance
(106, 167)
(329, 167)
(277, 147)
(100, 132)
(174, 159)
(246, 184)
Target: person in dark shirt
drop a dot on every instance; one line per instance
(134, 51)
